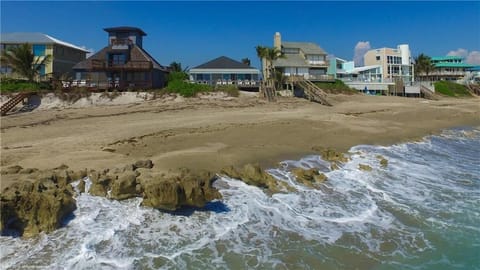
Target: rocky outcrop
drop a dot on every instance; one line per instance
(309, 177)
(41, 200)
(252, 174)
(334, 157)
(183, 188)
(364, 167)
(33, 207)
(383, 161)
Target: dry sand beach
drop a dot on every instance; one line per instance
(209, 133)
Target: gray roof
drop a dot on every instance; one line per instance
(125, 29)
(306, 47)
(34, 38)
(223, 62)
(291, 60)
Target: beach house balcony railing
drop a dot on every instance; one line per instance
(317, 62)
(310, 77)
(121, 43)
(111, 65)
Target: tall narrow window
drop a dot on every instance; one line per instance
(38, 50)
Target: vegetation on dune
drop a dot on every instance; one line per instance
(451, 89)
(14, 85)
(338, 87)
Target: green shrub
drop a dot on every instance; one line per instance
(451, 89)
(230, 90)
(187, 89)
(13, 85)
(177, 76)
(337, 87)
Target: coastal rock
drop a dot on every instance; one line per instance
(334, 157)
(331, 155)
(309, 177)
(125, 186)
(101, 183)
(12, 169)
(28, 170)
(31, 208)
(383, 161)
(364, 167)
(148, 164)
(253, 175)
(186, 189)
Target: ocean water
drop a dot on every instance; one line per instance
(422, 211)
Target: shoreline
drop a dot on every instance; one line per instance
(211, 134)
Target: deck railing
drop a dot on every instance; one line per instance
(111, 65)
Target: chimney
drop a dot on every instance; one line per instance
(277, 41)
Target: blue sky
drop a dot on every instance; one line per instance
(195, 32)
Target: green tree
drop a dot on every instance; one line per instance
(23, 62)
(246, 61)
(423, 66)
(176, 72)
(267, 55)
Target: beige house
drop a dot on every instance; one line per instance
(304, 59)
(63, 54)
(396, 63)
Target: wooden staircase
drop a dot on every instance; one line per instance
(474, 89)
(12, 102)
(427, 93)
(268, 91)
(311, 91)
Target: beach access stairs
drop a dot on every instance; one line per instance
(311, 91)
(427, 92)
(14, 101)
(474, 88)
(268, 90)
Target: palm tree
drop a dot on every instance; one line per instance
(23, 62)
(267, 55)
(423, 65)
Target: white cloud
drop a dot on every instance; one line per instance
(460, 52)
(360, 49)
(472, 57)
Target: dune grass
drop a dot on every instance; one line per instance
(451, 89)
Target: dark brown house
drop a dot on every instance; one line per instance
(123, 64)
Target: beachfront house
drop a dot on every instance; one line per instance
(123, 64)
(305, 59)
(64, 55)
(395, 63)
(226, 71)
(450, 68)
(346, 71)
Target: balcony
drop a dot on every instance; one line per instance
(317, 62)
(120, 44)
(111, 65)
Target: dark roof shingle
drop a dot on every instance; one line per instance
(223, 62)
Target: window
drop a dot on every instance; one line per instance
(378, 58)
(38, 50)
(117, 59)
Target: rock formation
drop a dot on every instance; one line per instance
(40, 200)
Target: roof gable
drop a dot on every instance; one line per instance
(306, 47)
(35, 38)
(223, 62)
(136, 54)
